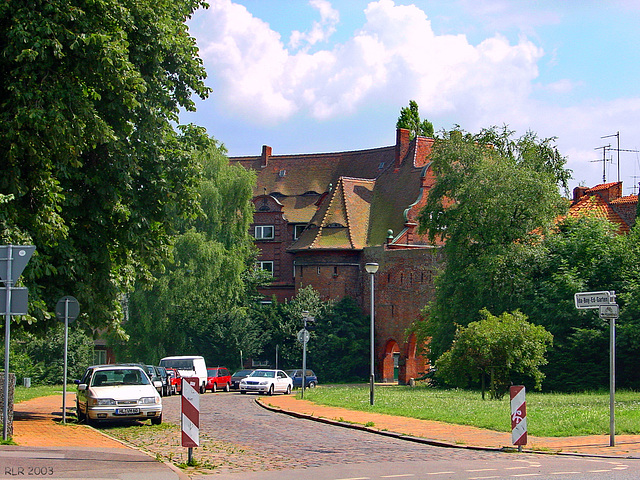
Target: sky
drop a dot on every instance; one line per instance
(313, 76)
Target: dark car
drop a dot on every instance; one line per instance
(239, 375)
(218, 378)
(167, 389)
(296, 375)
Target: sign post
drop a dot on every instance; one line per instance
(303, 338)
(13, 259)
(190, 419)
(518, 416)
(605, 302)
(67, 310)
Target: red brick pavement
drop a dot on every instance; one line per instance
(38, 423)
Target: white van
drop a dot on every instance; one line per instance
(188, 366)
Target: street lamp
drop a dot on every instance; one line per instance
(371, 269)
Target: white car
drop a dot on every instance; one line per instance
(266, 381)
(117, 392)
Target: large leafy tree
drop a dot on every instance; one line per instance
(498, 346)
(91, 163)
(493, 199)
(198, 303)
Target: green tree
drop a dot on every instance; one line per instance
(91, 162)
(496, 346)
(493, 200)
(410, 119)
(198, 303)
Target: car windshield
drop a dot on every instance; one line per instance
(263, 373)
(212, 372)
(120, 376)
(242, 373)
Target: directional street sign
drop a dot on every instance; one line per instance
(609, 311)
(19, 255)
(19, 301)
(303, 336)
(594, 299)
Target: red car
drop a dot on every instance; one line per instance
(218, 378)
(175, 380)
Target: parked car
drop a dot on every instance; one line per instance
(164, 377)
(296, 375)
(188, 366)
(239, 375)
(151, 372)
(266, 381)
(218, 377)
(175, 379)
(116, 393)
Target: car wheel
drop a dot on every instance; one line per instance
(214, 389)
(270, 392)
(288, 389)
(227, 387)
(156, 420)
(79, 415)
(202, 389)
(312, 385)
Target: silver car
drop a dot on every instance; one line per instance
(117, 392)
(266, 381)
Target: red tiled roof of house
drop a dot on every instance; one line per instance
(596, 206)
(602, 186)
(629, 199)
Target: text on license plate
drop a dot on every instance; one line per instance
(127, 411)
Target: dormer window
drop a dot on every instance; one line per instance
(381, 166)
(282, 173)
(335, 225)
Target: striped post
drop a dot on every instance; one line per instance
(518, 416)
(190, 421)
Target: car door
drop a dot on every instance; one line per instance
(281, 381)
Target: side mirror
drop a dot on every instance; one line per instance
(82, 386)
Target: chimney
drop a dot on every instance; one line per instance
(266, 153)
(402, 145)
(578, 193)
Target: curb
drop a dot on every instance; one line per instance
(426, 441)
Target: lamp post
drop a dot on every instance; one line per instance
(371, 269)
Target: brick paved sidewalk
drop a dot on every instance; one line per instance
(626, 445)
(38, 423)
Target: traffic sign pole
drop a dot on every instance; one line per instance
(7, 329)
(67, 309)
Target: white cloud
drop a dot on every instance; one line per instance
(320, 31)
(395, 56)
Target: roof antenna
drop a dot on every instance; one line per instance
(604, 161)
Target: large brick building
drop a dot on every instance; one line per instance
(319, 218)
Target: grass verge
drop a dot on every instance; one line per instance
(548, 414)
(23, 394)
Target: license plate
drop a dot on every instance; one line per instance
(127, 411)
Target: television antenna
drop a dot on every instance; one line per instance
(617, 135)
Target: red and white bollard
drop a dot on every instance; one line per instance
(190, 420)
(518, 416)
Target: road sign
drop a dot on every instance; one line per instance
(518, 415)
(303, 336)
(190, 407)
(594, 299)
(609, 311)
(71, 305)
(19, 301)
(19, 257)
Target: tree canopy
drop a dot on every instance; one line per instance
(92, 164)
(410, 119)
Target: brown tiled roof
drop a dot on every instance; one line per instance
(629, 199)
(342, 219)
(602, 186)
(594, 205)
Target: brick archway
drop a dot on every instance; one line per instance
(412, 365)
(390, 361)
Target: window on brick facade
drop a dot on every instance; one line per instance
(267, 266)
(264, 232)
(297, 231)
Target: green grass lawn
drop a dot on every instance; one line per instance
(548, 414)
(22, 394)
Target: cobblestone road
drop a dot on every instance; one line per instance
(255, 437)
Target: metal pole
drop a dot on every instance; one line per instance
(7, 323)
(66, 345)
(612, 383)
(304, 356)
(372, 376)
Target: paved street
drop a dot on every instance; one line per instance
(303, 449)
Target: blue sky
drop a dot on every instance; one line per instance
(325, 76)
